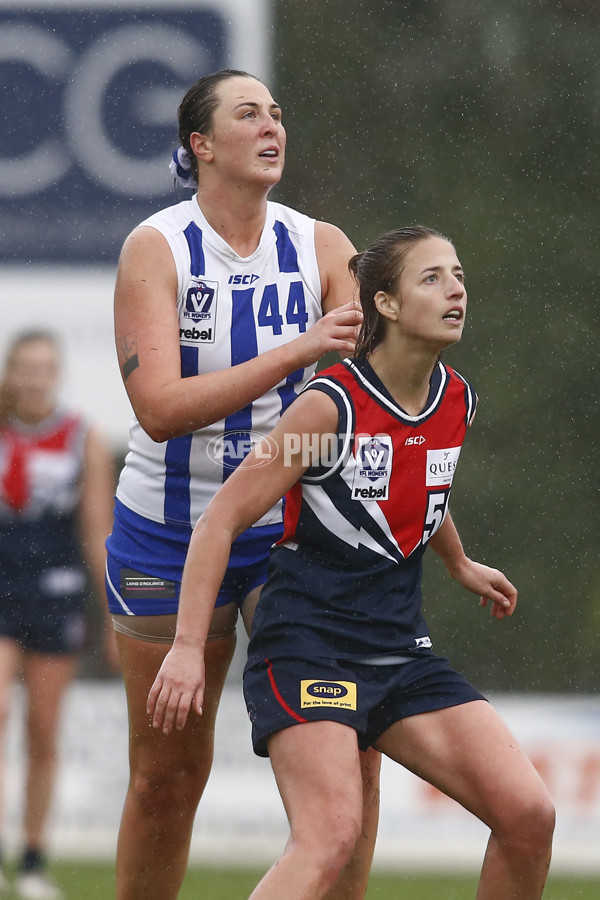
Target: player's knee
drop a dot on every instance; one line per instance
(540, 821)
(530, 827)
(339, 857)
(345, 847)
(165, 791)
(336, 845)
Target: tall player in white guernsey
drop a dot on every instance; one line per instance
(230, 309)
(340, 657)
(223, 305)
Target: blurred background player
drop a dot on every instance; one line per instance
(56, 488)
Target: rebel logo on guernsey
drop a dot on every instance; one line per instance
(441, 466)
(197, 321)
(339, 694)
(374, 456)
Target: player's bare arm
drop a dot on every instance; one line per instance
(334, 250)
(250, 492)
(491, 585)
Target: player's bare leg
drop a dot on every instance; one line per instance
(352, 883)
(47, 678)
(468, 753)
(168, 774)
(317, 770)
(10, 662)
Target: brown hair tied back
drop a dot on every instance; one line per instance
(196, 110)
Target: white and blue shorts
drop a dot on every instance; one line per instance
(145, 564)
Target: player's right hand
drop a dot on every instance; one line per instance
(178, 687)
(337, 330)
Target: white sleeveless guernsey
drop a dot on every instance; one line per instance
(230, 310)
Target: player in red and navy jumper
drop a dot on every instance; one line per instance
(340, 657)
(56, 489)
(372, 510)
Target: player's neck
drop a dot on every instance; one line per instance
(406, 373)
(239, 218)
(33, 415)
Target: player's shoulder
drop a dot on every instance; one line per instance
(335, 382)
(337, 372)
(462, 387)
(153, 239)
(171, 220)
(293, 219)
(455, 377)
(330, 238)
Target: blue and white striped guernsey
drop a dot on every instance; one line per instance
(231, 309)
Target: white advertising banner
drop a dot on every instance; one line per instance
(241, 817)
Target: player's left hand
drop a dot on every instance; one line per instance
(491, 585)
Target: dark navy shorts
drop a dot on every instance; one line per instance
(145, 564)
(48, 614)
(368, 698)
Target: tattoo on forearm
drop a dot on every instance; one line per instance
(129, 356)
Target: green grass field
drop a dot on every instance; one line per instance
(86, 881)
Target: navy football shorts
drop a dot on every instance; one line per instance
(44, 610)
(145, 564)
(368, 698)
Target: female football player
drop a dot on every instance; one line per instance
(56, 489)
(223, 305)
(340, 657)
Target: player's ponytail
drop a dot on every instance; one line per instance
(379, 269)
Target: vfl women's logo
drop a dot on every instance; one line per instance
(197, 320)
(374, 457)
(199, 300)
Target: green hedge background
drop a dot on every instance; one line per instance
(481, 119)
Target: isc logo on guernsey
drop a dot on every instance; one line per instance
(242, 279)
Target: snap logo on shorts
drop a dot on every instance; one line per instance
(340, 694)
